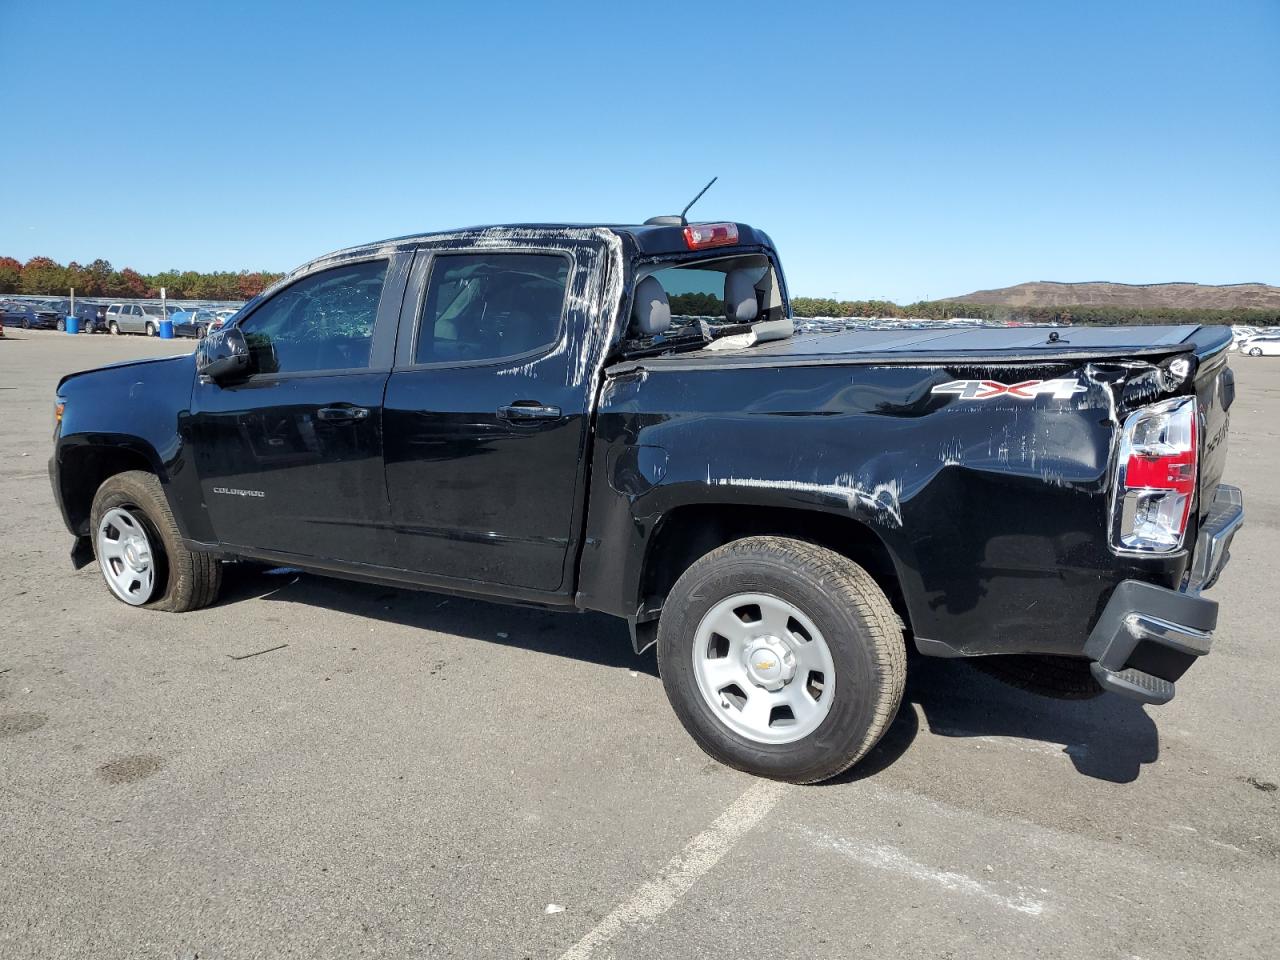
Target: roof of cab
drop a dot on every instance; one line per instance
(648, 238)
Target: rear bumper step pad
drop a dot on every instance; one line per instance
(1146, 639)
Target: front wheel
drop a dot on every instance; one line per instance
(62, 326)
(114, 328)
(139, 548)
(26, 324)
(151, 329)
(1255, 351)
(781, 658)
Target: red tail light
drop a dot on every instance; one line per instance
(699, 236)
(1156, 477)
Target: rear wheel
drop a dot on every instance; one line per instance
(62, 326)
(1255, 351)
(781, 658)
(114, 328)
(139, 548)
(26, 323)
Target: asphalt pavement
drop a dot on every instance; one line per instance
(395, 773)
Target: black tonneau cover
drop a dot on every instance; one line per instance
(950, 345)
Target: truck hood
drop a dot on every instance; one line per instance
(107, 368)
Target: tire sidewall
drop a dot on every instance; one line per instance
(852, 713)
(121, 492)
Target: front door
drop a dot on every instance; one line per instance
(290, 459)
(486, 416)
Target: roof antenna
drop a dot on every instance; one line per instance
(680, 221)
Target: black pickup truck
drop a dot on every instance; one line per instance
(623, 419)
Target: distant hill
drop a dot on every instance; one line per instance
(1182, 296)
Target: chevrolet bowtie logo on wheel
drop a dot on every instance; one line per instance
(1026, 390)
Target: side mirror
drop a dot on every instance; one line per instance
(223, 355)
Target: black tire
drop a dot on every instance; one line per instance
(150, 329)
(1061, 678)
(62, 326)
(1255, 351)
(862, 631)
(114, 328)
(26, 323)
(185, 580)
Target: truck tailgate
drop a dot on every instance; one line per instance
(1215, 391)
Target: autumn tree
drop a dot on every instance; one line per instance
(42, 275)
(10, 275)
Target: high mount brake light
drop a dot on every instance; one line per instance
(1156, 477)
(699, 236)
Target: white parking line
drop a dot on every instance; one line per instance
(882, 856)
(700, 854)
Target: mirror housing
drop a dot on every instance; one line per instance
(223, 355)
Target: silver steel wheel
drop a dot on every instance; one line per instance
(124, 553)
(764, 668)
(1255, 352)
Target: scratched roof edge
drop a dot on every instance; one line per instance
(649, 238)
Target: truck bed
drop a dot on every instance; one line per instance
(950, 345)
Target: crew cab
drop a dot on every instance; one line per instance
(625, 419)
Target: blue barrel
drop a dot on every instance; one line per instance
(166, 329)
(73, 323)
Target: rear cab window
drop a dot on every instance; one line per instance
(720, 292)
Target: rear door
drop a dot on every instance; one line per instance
(487, 413)
(290, 459)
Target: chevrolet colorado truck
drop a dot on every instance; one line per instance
(624, 419)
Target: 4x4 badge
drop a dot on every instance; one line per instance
(1026, 390)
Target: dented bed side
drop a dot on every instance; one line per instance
(992, 501)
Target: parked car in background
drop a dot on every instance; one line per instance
(28, 316)
(92, 315)
(135, 318)
(193, 323)
(1241, 333)
(1263, 345)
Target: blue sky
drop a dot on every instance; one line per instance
(903, 150)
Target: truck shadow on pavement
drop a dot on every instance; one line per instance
(1107, 738)
(589, 637)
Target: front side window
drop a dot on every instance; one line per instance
(491, 305)
(322, 322)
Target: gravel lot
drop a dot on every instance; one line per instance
(420, 776)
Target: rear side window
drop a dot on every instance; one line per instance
(322, 322)
(490, 306)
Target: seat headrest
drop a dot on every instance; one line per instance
(740, 304)
(651, 311)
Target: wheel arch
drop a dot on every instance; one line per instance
(685, 533)
(83, 467)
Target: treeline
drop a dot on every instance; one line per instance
(946, 310)
(41, 276)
